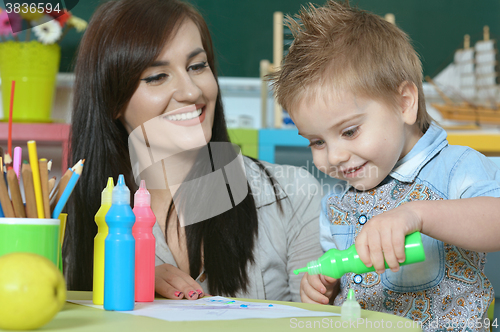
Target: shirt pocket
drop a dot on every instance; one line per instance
(343, 236)
(419, 276)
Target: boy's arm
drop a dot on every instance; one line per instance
(469, 223)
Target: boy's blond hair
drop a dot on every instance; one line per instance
(348, 49)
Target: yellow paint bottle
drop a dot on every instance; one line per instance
(102, 232)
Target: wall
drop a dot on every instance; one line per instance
(242, 30)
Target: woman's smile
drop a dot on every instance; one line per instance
(187, 116)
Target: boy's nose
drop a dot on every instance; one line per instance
(187, 90)
(338, 156)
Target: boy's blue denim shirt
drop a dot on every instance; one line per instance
(451, 279)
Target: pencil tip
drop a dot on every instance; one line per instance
(7, 159)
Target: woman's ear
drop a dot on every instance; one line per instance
(409, 102)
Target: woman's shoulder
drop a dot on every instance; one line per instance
(290, 181)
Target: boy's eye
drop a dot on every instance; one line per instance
(198, 66)
(350, 132)
(155, 79)
(317, 143)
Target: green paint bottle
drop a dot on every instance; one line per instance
(335, 263)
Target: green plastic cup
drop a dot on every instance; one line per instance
(37, 236)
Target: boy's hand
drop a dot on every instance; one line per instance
(384, 236)
(173, 283)
(316, 288)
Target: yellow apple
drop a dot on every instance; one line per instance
(32, 291)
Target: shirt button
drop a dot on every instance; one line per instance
(362, 219)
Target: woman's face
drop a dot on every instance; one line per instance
(175, 99)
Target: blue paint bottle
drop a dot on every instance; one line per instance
(119, 252)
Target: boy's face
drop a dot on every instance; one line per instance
(355, 139)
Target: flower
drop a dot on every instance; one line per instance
(61, 18)
(78, 23)
(29, 16)
(7, 26)
(47, 32)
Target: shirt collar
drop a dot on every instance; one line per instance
(428, 146)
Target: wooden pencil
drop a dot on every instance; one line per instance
(29, 190)
(44, 182)
(52, 183)
(8, 161)
(64, 181)
(8, 211)
(15, 193)
(78, 163)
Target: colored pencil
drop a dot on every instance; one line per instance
(62, 231)
(29, 191)
(18, 153)
(44, 181)
(1, 174)
(33, 154)
(15, 193)
(5, 200)
(64, 181)
(68, 190)
(78, 163)
(11, 110)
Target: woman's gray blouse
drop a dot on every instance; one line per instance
(286, 241)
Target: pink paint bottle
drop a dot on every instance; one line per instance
(144, 245)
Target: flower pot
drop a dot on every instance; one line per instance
(34, 67)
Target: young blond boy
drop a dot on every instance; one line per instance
(352, 84)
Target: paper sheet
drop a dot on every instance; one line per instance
(212, 308)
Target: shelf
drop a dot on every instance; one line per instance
(42, 133)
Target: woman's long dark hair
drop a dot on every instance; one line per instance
(122, 40)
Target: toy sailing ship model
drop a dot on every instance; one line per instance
(472, 79)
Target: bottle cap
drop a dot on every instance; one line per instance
(107, 193)
(121, 193)
(142, 196)
(313, 267)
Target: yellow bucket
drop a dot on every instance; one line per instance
(34, 67)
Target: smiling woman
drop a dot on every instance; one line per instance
(150, 64)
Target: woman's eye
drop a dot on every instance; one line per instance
(155, 79)
(350, 132)
(198, 66)
(316, 144)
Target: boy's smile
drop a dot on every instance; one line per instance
(357, 139)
